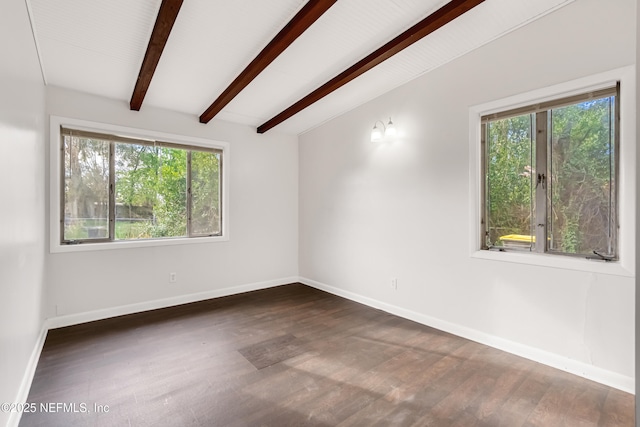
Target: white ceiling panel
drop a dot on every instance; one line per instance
(93, 46)
(348, 32)
(97, 47)
(210, 44)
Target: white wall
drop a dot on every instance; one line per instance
(263, 243)
(22, 161)
(370, 212)
(637, 299)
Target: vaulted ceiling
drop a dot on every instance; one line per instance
(99, 47)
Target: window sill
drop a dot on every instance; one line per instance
(614, 268)
(86, 247)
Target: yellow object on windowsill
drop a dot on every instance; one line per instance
(517, 240)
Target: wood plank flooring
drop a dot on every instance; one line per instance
(296, 356)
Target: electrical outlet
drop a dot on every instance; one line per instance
(394, 283)
(172, 278)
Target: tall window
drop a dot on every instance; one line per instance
(550, 177)
(120, 188)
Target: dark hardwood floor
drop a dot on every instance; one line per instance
(296, 356)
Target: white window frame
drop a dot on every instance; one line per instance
(625, 265)
(55, 174)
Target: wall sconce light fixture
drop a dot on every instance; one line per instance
(378, 134)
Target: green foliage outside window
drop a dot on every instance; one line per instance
(510, 177)
(151, 190)
(579, 186)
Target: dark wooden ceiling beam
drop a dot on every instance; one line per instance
(298, 25)
(431, 23)
(164, 23)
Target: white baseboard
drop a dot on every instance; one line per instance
(27, 378)
(594, 373)
(90, 316)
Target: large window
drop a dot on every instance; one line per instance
(550, 177)
(118, 188)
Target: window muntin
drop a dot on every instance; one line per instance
(145, 189)
(550, 173)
